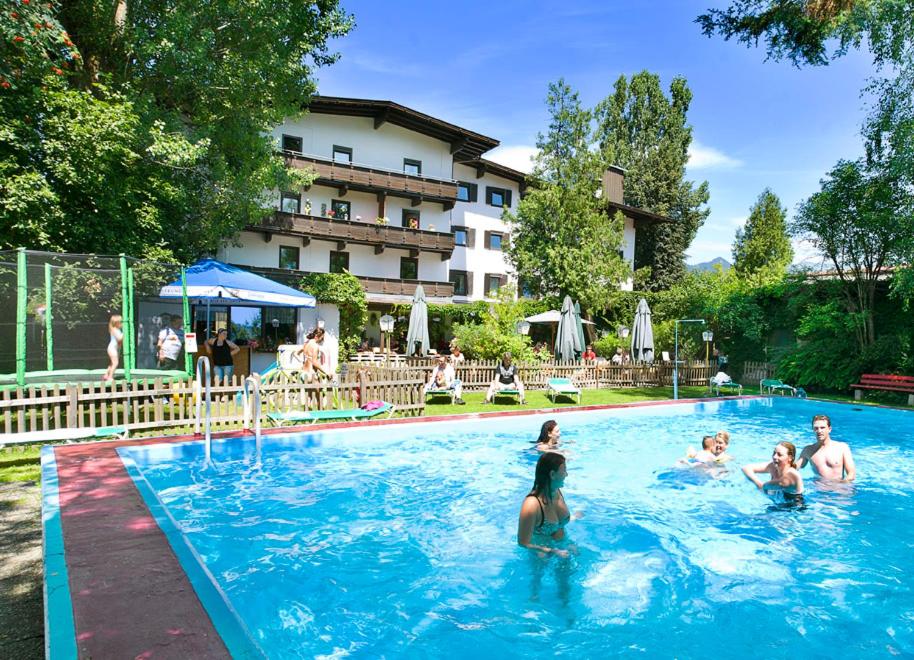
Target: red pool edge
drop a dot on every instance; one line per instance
(129, 594)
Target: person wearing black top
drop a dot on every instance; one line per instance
(222, 350)
(506, 378)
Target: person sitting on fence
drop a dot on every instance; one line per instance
(506, 378)
(222, 351)
(171, 337)
(444, 378)
(116, 338)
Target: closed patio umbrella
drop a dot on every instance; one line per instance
(579, 324)
(567, 343)
(642, 334)
(418, 325)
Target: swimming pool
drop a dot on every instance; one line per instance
(400, 540)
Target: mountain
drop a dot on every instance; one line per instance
(709, 265)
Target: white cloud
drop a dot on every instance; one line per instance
(704, 157)
(517, 157)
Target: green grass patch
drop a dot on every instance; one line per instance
(20, 464)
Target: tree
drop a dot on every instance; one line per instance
(817, 31)
(562, 240)
(646, 133)
(146, 127)
(344, 291)
(764, 245)
(862, 221)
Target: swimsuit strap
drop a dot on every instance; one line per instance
(542, 510)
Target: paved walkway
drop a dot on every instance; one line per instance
(21, 606)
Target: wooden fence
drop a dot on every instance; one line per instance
(150, 405)
(753, 372)
(476, 375)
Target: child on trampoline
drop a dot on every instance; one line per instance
(115, 323)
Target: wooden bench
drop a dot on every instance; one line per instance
(886, 383)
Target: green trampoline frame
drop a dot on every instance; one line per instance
(69, 376)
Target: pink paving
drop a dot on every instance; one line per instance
(130, 596)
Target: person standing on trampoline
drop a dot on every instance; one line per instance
(116, 339)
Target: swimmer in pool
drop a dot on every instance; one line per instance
(721, 444)
(785, 478)
(706, 455)
(549, 436)
(544, 514)
(830, 459)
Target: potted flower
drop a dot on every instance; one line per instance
(330, 214)
(381, 221)
(308, 206)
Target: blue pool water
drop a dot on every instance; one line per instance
(400, 541)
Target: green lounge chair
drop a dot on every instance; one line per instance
(447, 391)
(311, 416)
(730, 386)
(556, 387)
(499, 393)
(775, 386)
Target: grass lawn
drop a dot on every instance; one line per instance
(20, 464)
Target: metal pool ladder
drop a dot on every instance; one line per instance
(251, 402)
(202, 386)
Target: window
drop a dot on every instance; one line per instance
(411, 166)
(288, 257)
(525, 289)
(342, 154)
(460, 280)
(498, 197)
(409, 268)
(339, 261)
(460, 236)
(290, 203)
(410, 219)
(292, 143)
(340, 209)
(466, 192)
(279, 325)
(493, 284)
(494, 240)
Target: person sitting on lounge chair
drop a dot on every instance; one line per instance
(721, 377)
(444, 378)
(506, 378)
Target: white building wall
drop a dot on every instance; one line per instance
(385, 147)
(480, 216)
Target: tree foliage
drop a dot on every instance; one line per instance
(496, 333)
(344, 291)
(646, 133)
(763, 247)
(862, 221)
(816, 31)
(145, 127)
(563, 242)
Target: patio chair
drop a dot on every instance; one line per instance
(556, 387)
(775, 386)
(345, 414)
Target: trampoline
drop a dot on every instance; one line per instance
(64, 377)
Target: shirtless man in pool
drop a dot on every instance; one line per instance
(830, 459)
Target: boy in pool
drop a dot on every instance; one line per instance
(706, 455)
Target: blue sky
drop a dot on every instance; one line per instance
(486, 66)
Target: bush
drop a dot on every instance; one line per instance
(344, 291)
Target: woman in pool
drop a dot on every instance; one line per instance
(549, 436)
(785, 478)
(544, 514)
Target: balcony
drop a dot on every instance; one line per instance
(350, 176)
(381, 237)
(372, 285)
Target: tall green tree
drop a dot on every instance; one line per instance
(763, 247)
(645, 132)
(862, 221)
(144, 126)
(562, 240)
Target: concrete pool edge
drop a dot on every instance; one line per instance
(96, 474)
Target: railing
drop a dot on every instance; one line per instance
(202, 381)
(253, 407)
(369, 178)
(156, 406)
(363, 233)
(390, 286)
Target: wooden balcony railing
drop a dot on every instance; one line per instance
(373, 179)
(377, 285)
(361, 233)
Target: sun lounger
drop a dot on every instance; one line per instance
(499, 393)
(775, 386)
(725, 387)
(311, 416)
(447, 391)
(65, 435)
(556, 387)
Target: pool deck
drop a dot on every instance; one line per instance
(113, 584)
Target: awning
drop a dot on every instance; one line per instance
(219, 283)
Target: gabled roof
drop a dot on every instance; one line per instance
(636, 214)
(484, 166)
(465, 144)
